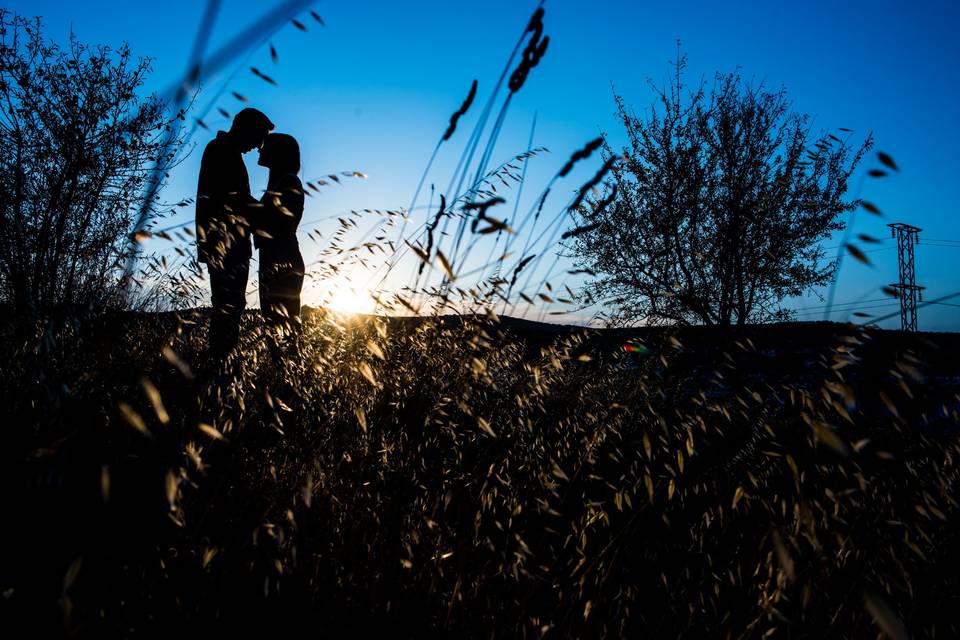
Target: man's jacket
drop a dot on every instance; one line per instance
(223, 204)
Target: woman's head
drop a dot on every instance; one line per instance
(280, 152)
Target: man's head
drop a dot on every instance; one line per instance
(250, 126)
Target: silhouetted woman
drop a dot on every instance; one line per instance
(281, 265)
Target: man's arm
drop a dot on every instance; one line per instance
(223, 200)
(206, 200)
(239, 202)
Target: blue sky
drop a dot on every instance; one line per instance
(373, 90)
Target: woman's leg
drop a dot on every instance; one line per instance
(280, 304)
(290, 296)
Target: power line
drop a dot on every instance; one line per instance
(923, 304)
(840, 246)
(852, 309)
(842, 304)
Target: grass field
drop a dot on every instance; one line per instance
(480, 477)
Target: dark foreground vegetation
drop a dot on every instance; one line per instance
(466, 477)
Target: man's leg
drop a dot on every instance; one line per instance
(228, 288)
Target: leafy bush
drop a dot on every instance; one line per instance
(77, 143)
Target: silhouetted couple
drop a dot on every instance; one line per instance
(228, 216)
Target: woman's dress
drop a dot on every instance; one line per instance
(281, 264)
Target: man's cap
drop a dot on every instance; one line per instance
(251, 118)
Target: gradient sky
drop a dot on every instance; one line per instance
(373, 90)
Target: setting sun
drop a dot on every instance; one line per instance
(344, 298)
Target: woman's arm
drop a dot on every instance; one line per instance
(290, 201)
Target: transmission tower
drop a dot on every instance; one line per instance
(908, 236)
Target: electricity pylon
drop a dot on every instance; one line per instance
(907, 237)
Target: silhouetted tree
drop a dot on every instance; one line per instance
(721, 201)
(76, 147)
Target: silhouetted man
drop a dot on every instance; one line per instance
(223, 222)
